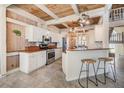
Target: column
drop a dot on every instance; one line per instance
(2, 40)
(106, 27)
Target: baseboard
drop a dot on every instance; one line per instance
(12, 71)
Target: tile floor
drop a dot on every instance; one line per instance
(50, 76)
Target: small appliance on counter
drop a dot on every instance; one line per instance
(47, 39)
(51, 45)
(43, 46)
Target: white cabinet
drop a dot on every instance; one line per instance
(43, 57)
(32, 61)
(56, 37)
(58, 53)
(34, 34)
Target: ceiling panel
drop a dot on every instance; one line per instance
(60, 26)
(73, 24)
(35, 11)
(87, 7)
(94, 20)
(61, 10)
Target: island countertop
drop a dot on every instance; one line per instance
(90, 49)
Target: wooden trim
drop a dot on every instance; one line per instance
(17, 22)
(12, 71)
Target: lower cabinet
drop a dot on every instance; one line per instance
(32, 61)
(12, 62)
(58, 53)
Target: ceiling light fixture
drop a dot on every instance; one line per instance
(84, 20)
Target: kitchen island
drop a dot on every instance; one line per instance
(71, 61)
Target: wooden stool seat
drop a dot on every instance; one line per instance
(88, 61)
(106, 59)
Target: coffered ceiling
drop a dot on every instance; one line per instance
(61, 10)
(35, 11)
(87, 7)
(54, 12)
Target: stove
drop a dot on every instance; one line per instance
(50, 56)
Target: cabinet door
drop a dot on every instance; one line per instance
(39, 60)
(44, 57)
(33, 62)
(58, 53)
(12, 62)
(40, 35)
(33, 34)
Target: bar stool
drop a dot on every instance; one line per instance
(109, 61)
(87, 62)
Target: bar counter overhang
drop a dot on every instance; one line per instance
(71, 61)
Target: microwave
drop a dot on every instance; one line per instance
(47, 39)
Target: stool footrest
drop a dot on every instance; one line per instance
(100, 68)
(84, 70)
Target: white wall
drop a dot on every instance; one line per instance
(119, 48)
(2, 40)
(101, 34)
(91, 39)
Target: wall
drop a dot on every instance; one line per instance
(119, 48)
(2, 40)
(14, 42)
(91, 38)
(101, 34)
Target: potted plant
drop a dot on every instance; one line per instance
(18, 36)
(17, 32)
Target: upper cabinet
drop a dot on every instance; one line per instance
(34, 34)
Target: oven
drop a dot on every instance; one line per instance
(50, 57)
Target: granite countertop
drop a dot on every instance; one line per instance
(31, 50)
(90, 49)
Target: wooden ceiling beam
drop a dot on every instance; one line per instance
(74, 17)
(75, 8)
(49, 12)
(46, 10)
(91, 27)
(65, 25)
(21, 12)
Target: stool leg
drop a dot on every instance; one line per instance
(115, 70)
(97, 67)
(79, 76)
(104, 72)
(87, 69)
(113, 73)
(95, 75)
